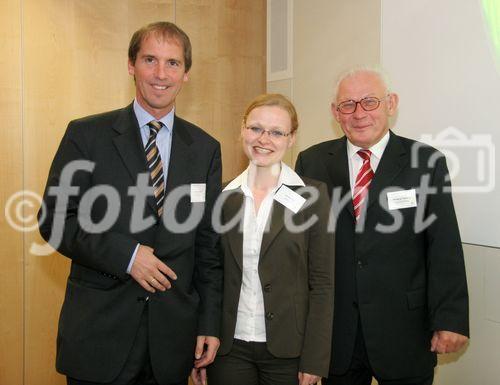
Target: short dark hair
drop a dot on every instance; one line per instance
(166, 30)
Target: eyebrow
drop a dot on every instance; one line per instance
(262, 126)
(369, 95)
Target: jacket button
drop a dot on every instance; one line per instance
(270, 316)
(267, 288)
(143, 299)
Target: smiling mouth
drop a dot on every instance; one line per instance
(361, 127)
(261, 150)
(160, 88)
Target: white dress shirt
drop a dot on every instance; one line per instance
(355, 161)
(250, 319)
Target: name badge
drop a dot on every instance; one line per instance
(289, 198)
(198, 191)
(402, 199)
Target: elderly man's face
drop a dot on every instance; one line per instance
(364, 128)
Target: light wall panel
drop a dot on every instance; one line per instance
(11, 241)
(229, 50)
(75, 64)
(65, 59)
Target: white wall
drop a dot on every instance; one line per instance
(329, 37)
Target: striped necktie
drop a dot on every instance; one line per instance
(363, 180)
(155, 164)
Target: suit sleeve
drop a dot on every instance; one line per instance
(315, 357)
(447, 283)
(107, 251)
(208, 268)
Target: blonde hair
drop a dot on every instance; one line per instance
(277, 100)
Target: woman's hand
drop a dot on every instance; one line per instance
(308, 379)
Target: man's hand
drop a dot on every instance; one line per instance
(205, 356)
(150, 272)
(308, 379)
(199, 376)
(447, 342)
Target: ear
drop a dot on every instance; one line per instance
(392, 103)
(131, 68)
(185, 77)
(335, 112)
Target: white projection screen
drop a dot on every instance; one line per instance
(442, 58)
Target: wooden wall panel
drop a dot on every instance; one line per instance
(64, 59)
(11, 241)
(229, 48)
(75, 64)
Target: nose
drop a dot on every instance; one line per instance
(161, 71)
(264, 137)
(359, 112)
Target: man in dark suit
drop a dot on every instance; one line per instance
(400, 285)
(143, 296)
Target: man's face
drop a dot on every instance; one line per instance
(365, 128)
(159, 73)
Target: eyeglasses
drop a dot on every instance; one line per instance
(273, 134)
(369, 103)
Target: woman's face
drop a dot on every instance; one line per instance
(266, 135)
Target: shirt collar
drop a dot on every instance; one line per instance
(287, 176)
(144, 117)
(377, 149)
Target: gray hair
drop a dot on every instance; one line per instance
(377, 71)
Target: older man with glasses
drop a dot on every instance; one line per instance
(401, 290)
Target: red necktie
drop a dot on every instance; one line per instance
(363, 180)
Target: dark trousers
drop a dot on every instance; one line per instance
(250, 363)
(137, 369)
(361, 373)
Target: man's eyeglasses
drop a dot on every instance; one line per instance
(273, 134)
(369, 103)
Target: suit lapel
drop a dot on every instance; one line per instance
(179, 167)
(234, 203)
(338, 168)
(392, 162)
(130, 147)
(179, 174)
(275, 225)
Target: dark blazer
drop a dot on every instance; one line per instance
(103, 304)
(402, 284)
(296, 274)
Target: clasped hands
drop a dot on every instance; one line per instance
(206, 348)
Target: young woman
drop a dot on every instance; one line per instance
(278, 262)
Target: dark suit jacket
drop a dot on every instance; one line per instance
(103, 304)
(296, 273)
(402, 284)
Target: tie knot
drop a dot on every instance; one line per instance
(364, 154)
(155, 126)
